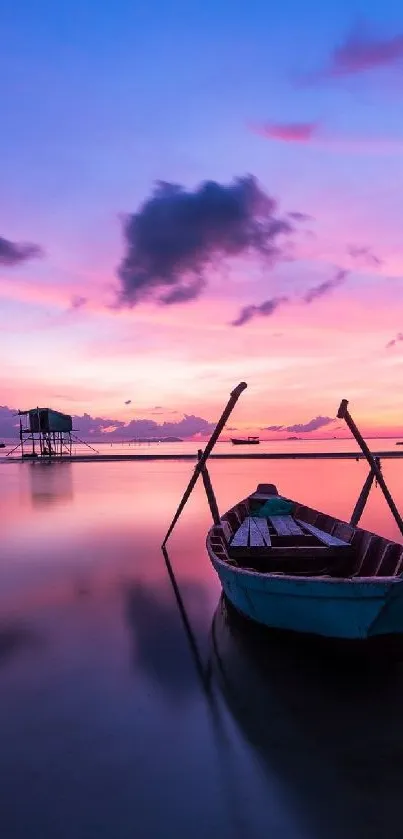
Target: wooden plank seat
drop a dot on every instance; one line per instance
(325, 538)
(285, 526)
(280, 544)
(240, 538)
(263, 528)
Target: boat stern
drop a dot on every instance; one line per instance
(389, 621)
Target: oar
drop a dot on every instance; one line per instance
(363, 498)
(343, 413)
(207, 451)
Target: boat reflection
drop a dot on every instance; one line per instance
(329, 731)
(159, 646)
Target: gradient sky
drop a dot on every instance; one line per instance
(99, 101)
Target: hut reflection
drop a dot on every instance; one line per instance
(50, 482)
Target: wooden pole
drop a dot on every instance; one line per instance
(343, 413)
(207, 451)
(363, 497)
(209, 491)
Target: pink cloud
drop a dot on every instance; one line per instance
(311, 133)
(360, 53)
(288, 132)
(394, 341)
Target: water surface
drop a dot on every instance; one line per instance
(105, 729)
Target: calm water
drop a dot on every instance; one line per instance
(105, 731)
(190, 448)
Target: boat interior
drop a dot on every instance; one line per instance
(297, 540)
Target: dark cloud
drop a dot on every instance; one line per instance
(324, 288)
(394, 341)
(312, 425)
(77, 302)
(265, 309)
(14, 253)
(273, 428)
(268, 308)
(364, 254)
(177, 234)
(96, 427)
(9, 423)
(88, 426)
(188, 426)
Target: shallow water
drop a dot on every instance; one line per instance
(105, 730)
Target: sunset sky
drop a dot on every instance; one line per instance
(127, 301)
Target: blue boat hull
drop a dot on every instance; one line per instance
(353, 609)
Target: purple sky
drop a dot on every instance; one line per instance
(102, 100)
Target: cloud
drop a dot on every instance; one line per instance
(324, 288)
(311, 133)
(188, 426)
(364, 254)
(288, 132)
(112, 429)
(14, 253)
(273, 428)
(296, 216)
(9, 422)
(177, 234)
(313, 424)
(268, 308)
(394, 341)
(265, 309)
(88, 426)
(77, 301)
(360, 52)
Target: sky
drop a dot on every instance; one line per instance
(193, 195)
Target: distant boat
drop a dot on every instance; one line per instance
(399, 443)
(2, 445)
(290, 567)
(245, 441)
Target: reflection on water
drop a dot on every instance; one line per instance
(15, 638)
(157, 634)
(105, 730)
(329, 729)
(50, 482)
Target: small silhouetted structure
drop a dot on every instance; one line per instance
(45, 432)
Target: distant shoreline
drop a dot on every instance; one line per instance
(104, 458)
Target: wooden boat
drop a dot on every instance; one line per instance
(245, 441)
(306, 571)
